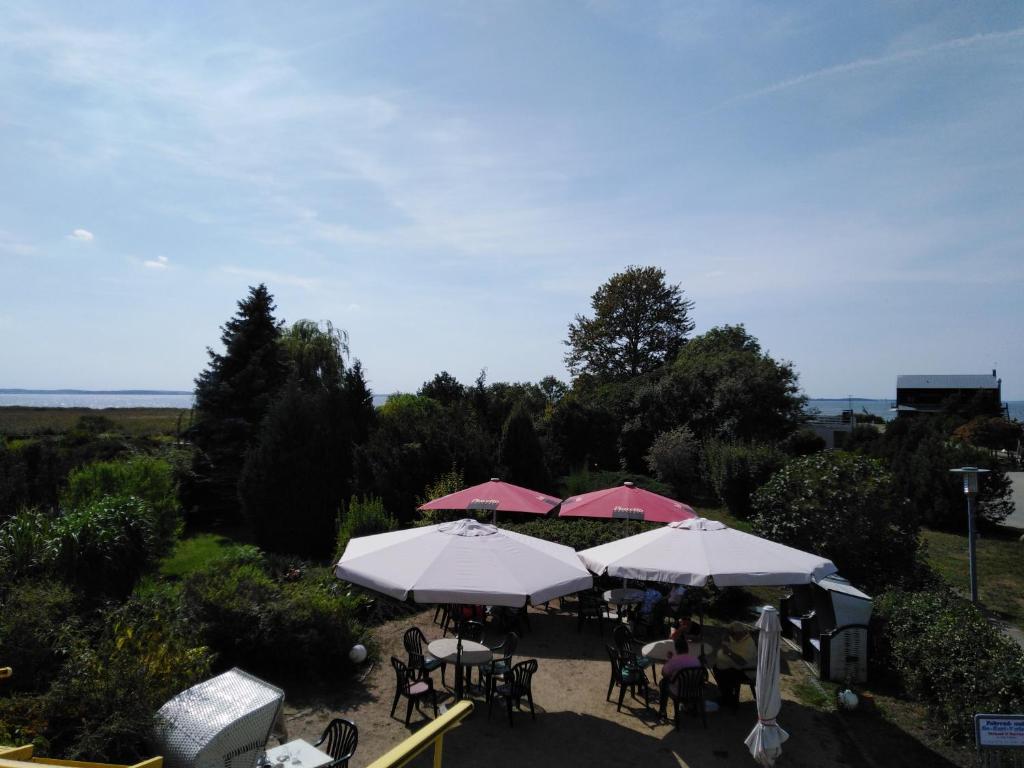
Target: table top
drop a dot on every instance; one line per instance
(446, 650)
(298, 754)
(659, 649)
(623, 595)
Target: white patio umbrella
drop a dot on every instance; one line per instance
(765, 741)
(692, 551)
(463, 562)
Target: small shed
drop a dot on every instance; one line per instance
(223, 722)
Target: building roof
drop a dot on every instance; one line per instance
(969, 381)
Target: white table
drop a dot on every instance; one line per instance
(297, 754)
(624, 596)
(473, 655)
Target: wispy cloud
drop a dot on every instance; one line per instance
(82, 236)
(160, 262)
(273, 278)
(872, 62)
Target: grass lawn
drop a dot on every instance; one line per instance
(1000, 576)
(19, 421)
(193, 553)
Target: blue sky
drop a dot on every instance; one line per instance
(450, 182)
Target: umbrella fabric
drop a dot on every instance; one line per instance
(693, 551)
(765, 741)
(627, 502)
(463, 562)
(496, 495)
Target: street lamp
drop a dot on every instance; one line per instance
(970, 475)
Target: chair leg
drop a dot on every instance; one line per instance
(408, 711)
(611, 684)
(490, 706)
(433, 700)
(529, 698)
(394, 704)
(509, 701)
(622, 695)
(444, 668)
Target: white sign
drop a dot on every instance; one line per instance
(483, 504)
(999, 730)
(628, 513)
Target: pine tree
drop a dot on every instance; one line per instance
(520, 452)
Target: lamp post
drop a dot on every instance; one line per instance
(970, 476)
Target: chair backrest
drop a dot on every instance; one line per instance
(413, 640)
(690, 682)
(508, 647)
(619, 660)
(623, 636)
(340, 739)
(522, 674)
(472, 631)
(403, 674)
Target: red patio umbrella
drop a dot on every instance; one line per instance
(627, 502)
(498, 496)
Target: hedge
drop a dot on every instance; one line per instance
(579, 534)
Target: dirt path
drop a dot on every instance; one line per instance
(574, 725)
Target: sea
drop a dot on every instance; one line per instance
(68, 398)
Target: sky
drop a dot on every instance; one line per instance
(450, 182)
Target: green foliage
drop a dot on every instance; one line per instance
(316, 354)
(297, 473)
(299, 629)
(35, 618)
(520, 452)
(639, 323)
(846, 508)
(586, 481)
(992, 432)
(144, 477)
(803, 442)
(444, 388)
(363, 517)
(451, 481)
(949, 656)
(23, 543)
(582, 435)
(673, 459)
(735, 470)
(194, 553)
(579, 533)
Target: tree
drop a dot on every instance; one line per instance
(639, 323)
(233, 395)
(846, 508)
(316, 353)
(673, 459)
(444, 388)
(734, 471)
(520, 452)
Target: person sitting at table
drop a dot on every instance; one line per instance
(680, 659)
(686, 627)
(737, 653)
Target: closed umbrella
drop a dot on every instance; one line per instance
(626, 502)
(464, 562)
(693, 551)
(765, 741)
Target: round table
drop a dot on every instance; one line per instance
(473, 655)
(624, 596)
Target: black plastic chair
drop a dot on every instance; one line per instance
(591, 606)
(518, 684)
(415, 643)
(339, 741)
(499, 667)
(690, 682)
(414, 689)
(627, 644)
(627, 676)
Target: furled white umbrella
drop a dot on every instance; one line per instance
(765, 741)
(691, 552)
(465, 562)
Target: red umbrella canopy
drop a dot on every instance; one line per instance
(627, 502)
(496, 495)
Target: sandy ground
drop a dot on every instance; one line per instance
(574, 724)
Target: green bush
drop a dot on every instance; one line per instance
(296, 629)
(846, 508)
(579, 533)
(36, 617)
(586, 481)
(145, 477)
(947, 655)
(673, 459)
(23, 543)
(735, 470)
(363, 517)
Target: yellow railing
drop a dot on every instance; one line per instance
(432, 733)
(21, 757)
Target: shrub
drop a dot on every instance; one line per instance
(736, 470)
(451, 481)
(579, 533)
(949, 656)
(35, 619)
(844, 507)
(586, 481)
(673, 459)
(23, 543)
(364, 517)
(145, 477)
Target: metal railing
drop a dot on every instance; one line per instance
(431, 734)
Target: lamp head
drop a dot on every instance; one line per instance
(970, 476)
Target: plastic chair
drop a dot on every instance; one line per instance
(339, 740)
(415, 641)
(627, 644)
(625, 675)
(406, 684)
(518, 685)
(591, 606)
(498, 668)
(690, 683)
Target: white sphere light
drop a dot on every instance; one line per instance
(848, 699)
(358, 654)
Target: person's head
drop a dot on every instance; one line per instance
(686, 621)
(681, 645)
